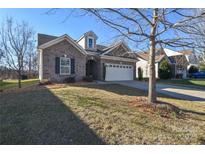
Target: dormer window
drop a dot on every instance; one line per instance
(90, 42)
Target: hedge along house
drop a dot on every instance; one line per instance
(63, 57)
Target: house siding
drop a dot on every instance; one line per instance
(145, 68)
(59, 50)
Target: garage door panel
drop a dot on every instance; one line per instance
(115, 72)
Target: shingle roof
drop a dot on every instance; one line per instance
(145, 56)
(186, 52)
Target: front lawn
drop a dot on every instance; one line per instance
(95, 114)
(8, 84)
(191, 82)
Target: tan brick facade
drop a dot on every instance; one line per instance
(59, 50)
(92, 59)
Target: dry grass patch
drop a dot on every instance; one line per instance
(93, 114)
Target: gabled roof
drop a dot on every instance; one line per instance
(43, 38)
(101, 47)
(145, 56)
(127, 54)
(87, 33)
(112, 47)
(62, 38)
(186, 52)
(169, 52)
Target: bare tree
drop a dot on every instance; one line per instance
(199, 36)
(31, 63)
(16, 40)
(156, 27)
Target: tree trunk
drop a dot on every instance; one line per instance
(19, 79)
(152, 78)
(29, 66)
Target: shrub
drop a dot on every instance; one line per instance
(202, 66)
(179, 76)
(164, 70)
(24, 77)
(88, 79)
(193, 69)
(69, 80)
(45, 82)
(140, 73)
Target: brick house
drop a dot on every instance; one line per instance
(62, 57)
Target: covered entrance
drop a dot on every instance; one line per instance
(91, 69)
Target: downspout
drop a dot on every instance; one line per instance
(40, 64)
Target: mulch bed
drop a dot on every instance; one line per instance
(164, 109)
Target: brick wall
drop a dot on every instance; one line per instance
(59, 50)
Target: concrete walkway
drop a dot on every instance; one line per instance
(186, 93)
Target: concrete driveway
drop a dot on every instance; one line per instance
(186, 93)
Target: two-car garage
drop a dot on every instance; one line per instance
(118, 72)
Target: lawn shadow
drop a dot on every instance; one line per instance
(115, 88)
(125, 90)
(40, 117)
(168, 90)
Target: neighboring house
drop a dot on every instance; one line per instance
(62, 57)
(191, 58)
(177, 61)
(143, 63)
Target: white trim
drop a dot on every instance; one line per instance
(61, 38)
(65, 66)
(40, 64)
(118, 58)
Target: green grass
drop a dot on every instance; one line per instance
(192, 82)
(9, 84)
(95, 114)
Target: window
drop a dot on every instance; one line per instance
(65, 66)
(90, 43)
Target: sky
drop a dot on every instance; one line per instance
(59, 23)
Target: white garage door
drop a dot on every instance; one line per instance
(117, 72)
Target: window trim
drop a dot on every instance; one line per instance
(88, 42)
(65, 66)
